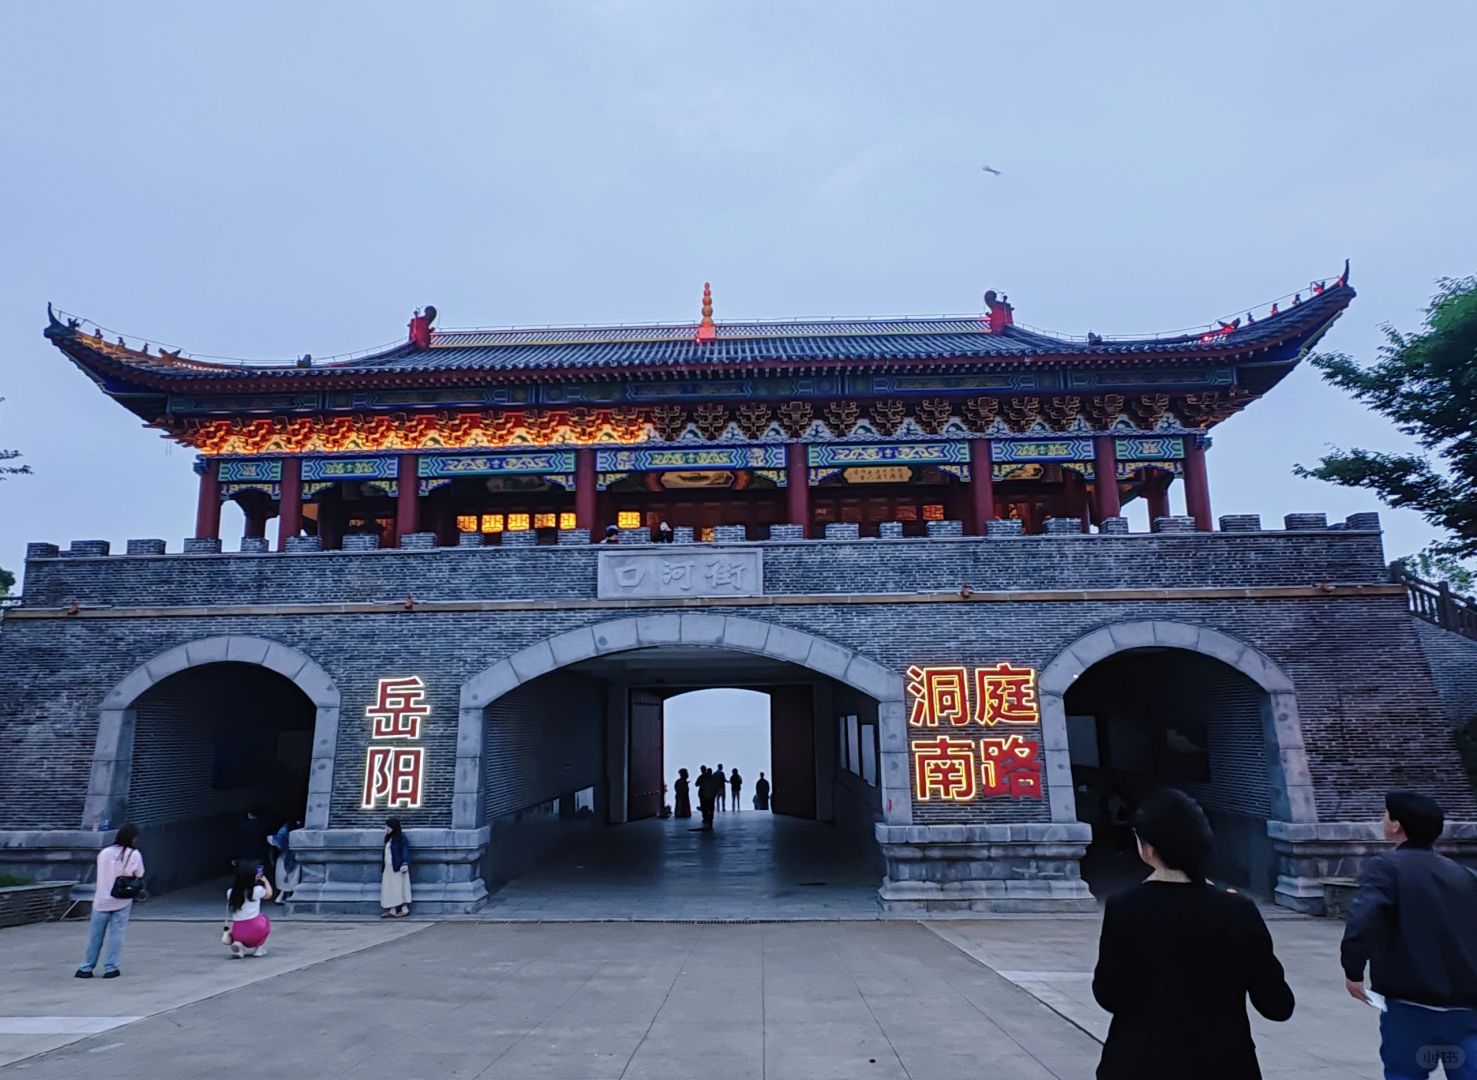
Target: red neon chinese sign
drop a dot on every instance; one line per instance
(1005, 694)
(943, 769)
(1011, 766)
(938, 693)
(960, 769)
(394, 775)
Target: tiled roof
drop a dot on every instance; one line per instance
(741, 345)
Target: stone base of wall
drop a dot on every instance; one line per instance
(341, 870)
(989, 868)
(53, 855)
(22, 904)
(1310, 854)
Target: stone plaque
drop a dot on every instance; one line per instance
(679, 572)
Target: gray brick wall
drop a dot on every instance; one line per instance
(1453, 661)
(496, 573)
(544, 740)
(1371, 717)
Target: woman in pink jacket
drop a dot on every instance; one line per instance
(120, 875)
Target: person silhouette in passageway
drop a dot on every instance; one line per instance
(707, 795)
(683, 800)
(761, 793)
(736, 782)
(722, 787)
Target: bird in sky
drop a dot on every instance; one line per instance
(992, 171)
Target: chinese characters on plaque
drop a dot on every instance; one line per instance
(637, 575)
(966, 763)
(393, 771)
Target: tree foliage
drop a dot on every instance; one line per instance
(1431, 565)
(10, 455)
(1427, 384)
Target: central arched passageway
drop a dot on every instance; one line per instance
(579, 807)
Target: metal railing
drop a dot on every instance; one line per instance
(1438, 605)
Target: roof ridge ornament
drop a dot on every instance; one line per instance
(1002, 313)
(420, 327)
(706, 330)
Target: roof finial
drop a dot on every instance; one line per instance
(1001, 312)
(706, 331)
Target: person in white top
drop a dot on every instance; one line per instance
(248, 929)
(120, 873)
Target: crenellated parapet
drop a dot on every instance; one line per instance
(1306, 553)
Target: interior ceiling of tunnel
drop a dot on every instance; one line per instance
(692, 665)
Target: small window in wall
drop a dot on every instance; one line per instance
(853, 744)
(869, 753)
(466, 523)
(519, 523)
(628, 519)
(933, 512)
(706, 534)
(545, 521)
(567, 521)
(492, 523)
(841, 758)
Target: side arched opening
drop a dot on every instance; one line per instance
(1205, 714)
(191, 741)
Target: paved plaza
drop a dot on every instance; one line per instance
(589, 1001)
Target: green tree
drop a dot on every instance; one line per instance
(1427, 384)
(1431, 565)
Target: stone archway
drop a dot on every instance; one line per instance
(726, 632)
(112, 760)
(1292, 798)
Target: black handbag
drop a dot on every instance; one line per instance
(126, 887)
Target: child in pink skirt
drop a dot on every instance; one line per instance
(249, 928)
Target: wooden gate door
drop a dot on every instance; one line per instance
(792, 751)
(644, 765)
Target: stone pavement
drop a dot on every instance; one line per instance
(636, 1001)
(165, 966)
(752, 865)
(1330, 1036)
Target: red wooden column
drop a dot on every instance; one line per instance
(1197, 485)
(1156, 491)
(407, 496)
(797, 486)
(290, 514)
(1105, 477)
(585, 492)
(981, 485)
(208, 505)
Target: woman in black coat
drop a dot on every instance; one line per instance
(1179, 958)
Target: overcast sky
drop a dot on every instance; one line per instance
(265, 180)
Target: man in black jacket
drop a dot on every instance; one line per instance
(1414, 922)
